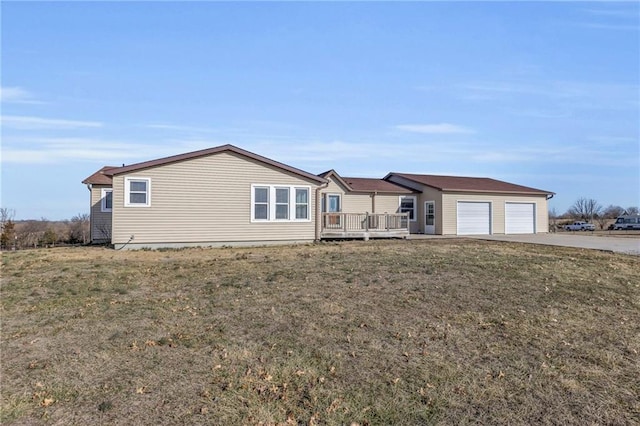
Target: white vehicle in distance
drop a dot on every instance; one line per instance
(580, 226)
(631, 221)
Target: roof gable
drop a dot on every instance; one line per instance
(211, 151)
(368, 185)
(471, 184)
(332, 174)
(99, 177)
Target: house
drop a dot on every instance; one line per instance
(228, 196)
(455, 205)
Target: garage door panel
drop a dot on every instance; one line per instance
(474, 218)
(519, 218)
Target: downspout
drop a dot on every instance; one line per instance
(318, 227)
(89, 186)
(373, 201)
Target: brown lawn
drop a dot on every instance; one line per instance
(383, 332)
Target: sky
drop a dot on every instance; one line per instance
(541, 94)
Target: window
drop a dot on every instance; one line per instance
(282, 203)
(278, 203)
(137, 192)
(302, 203)
(106, 202)
(334, 203)
(261, 203)
(408, 205)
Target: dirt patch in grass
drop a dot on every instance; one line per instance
(383, 332)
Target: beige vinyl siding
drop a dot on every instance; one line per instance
(206, 200)
(362, 202)
(100, 221)
(350, 202)
(333, 188)
(407, 183)
(429, 194)
(449, 207)
(387, 203)
(357, 203)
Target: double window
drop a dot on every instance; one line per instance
(274, 203)
(408, 205)
(137, 192)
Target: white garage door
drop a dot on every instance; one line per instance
(519, 218)
(474, 218)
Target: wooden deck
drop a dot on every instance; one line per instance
(364, 225)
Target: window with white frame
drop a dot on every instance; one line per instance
(261, 203)
(278, 203)
(106, 200)
(282, 203)
(302, 203)
(137, 192)
(408, 205)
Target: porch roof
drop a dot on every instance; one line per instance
(356, 184)
(375, 185)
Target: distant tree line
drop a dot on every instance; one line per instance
(41, 233)
(590, 210)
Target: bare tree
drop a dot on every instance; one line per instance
(553, 218)
(632, 210)
(605, 215)
(7, 237)
(7, 227)
(79, 228)
(612, 212)
(585, 209)
(104, 229)
(6, 215)
(31, 233)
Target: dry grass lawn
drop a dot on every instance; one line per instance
(376, 333)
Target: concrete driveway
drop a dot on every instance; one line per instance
(615, 244)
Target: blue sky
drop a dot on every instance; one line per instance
(542, 94)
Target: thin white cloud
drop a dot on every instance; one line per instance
(615, 27)
(558, 96)
(440, 128)
(33, 123)
(51, 150)
(614, 141)
(17, 95)
(631, 13)
(173, 127)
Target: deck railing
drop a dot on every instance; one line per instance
(365, 222)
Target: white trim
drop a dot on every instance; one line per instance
(326, 201)
(295, 202)
(253, 202)
(490, 202)
(415, 206)
(103, 200)
(271, 203)
(434, 217)
(127, 191)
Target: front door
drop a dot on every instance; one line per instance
(333, 206)
(430, 217)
